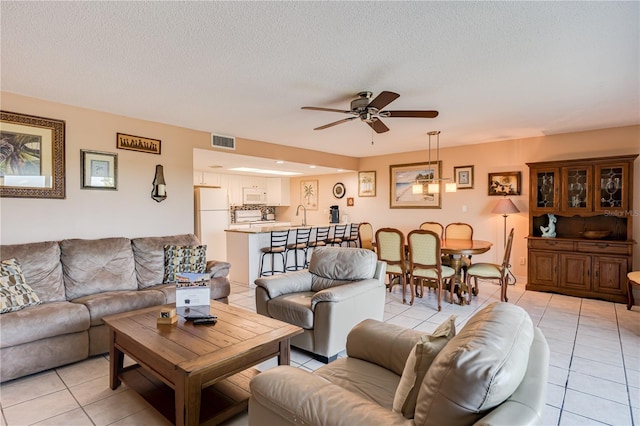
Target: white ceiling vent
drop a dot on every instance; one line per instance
(220, 141)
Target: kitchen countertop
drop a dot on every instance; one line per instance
(267, 229)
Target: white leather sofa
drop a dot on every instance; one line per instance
(493, 372)
(342, 287)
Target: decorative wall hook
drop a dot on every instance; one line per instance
(159, 191)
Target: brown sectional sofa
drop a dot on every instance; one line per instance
(79, 282)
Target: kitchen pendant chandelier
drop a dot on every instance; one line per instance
(433, 184)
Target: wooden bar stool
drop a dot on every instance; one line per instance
(634, 279)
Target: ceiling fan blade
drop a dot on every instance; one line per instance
(410, 114)
(378, 126)
(325, 109)
(382, 100)
(335, 123)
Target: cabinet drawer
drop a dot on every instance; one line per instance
(551, 244)
(602, 246)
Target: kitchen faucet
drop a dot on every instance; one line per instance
(304, 218)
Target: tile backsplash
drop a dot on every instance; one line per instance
(264, 209)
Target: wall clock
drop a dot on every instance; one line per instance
(339, 190)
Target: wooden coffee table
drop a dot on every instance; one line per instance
(180, 365)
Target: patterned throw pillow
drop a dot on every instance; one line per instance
(183, 259)
(15, 293)
(418, 362)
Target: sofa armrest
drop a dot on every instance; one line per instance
(218, 268)
(344, 291)
(386, 345)
(526, 405)
(291, 282)
(300, 397)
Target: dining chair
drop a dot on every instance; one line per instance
(278, 246)
(299, 245)
(365, 236)
(390, 249)
(460, 231)
(433, 227)
(425, 264)
(491, 271)
(353, 235)
(339, 232)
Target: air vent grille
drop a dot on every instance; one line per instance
(220, 141)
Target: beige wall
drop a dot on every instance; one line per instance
(488, 157)
(131, 212)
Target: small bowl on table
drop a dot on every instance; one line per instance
(596, 235)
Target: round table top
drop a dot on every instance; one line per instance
(453, 246)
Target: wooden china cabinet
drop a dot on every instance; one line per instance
(591, 194)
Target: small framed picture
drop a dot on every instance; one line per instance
(463, 176)
(505, 183)
(339, 190)
(367, 184)
(99, 170)
(349, 201)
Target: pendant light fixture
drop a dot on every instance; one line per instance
(433, 184)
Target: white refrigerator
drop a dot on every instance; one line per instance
(212, 218)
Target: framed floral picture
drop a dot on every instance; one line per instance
(463, 176)
(309, 194)
(505, 183)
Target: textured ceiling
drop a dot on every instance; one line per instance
(494, 70)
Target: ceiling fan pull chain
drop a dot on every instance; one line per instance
(372, 136)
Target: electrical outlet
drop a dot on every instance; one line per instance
(523, 260)
(464, 208)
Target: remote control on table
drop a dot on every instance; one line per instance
(204, 321)
(195, 317)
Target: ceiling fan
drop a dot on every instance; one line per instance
(370, 111)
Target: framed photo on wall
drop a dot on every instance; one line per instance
(33, 157)
(505, 183)
(367, 184)
(463, 176)
(406, 178)
(309, 194)
(99, 170)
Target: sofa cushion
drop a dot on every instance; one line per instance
(331, 266)
(114, 302)
(418, 362)
(41, 322)
(294, 308)
(478, 369)
(40, 263)
(95, 266)
(15, 293)
(369, 380)
(192, 258)
(149, 256)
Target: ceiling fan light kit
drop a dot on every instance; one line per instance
(370, 111)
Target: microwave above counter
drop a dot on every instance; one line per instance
(255, 196)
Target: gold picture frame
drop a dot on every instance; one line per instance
(35, 167)
(367, 184)
(403, 177)
(463, 176)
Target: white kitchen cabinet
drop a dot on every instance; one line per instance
(235, 189)
(207, 179)
(278, 192)
(253, 182)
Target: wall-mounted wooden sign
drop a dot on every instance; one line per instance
(137, 143)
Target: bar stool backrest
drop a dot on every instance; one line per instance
(302, 236)
(322, 234)
(279, 239)
(339, 231)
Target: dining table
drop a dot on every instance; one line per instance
(456, 249)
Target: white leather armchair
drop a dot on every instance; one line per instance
(342, 287)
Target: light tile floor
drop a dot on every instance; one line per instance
(594, 375)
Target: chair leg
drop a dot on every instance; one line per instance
(503, 289)
(411, 290)
(467, 279)
(439, 295)
(630, 300)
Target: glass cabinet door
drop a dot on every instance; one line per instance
(577, 189)
(610, 187)
(545, 186)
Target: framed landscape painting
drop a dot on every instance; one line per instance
(403, 178)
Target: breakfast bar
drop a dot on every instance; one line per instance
(244, 244)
